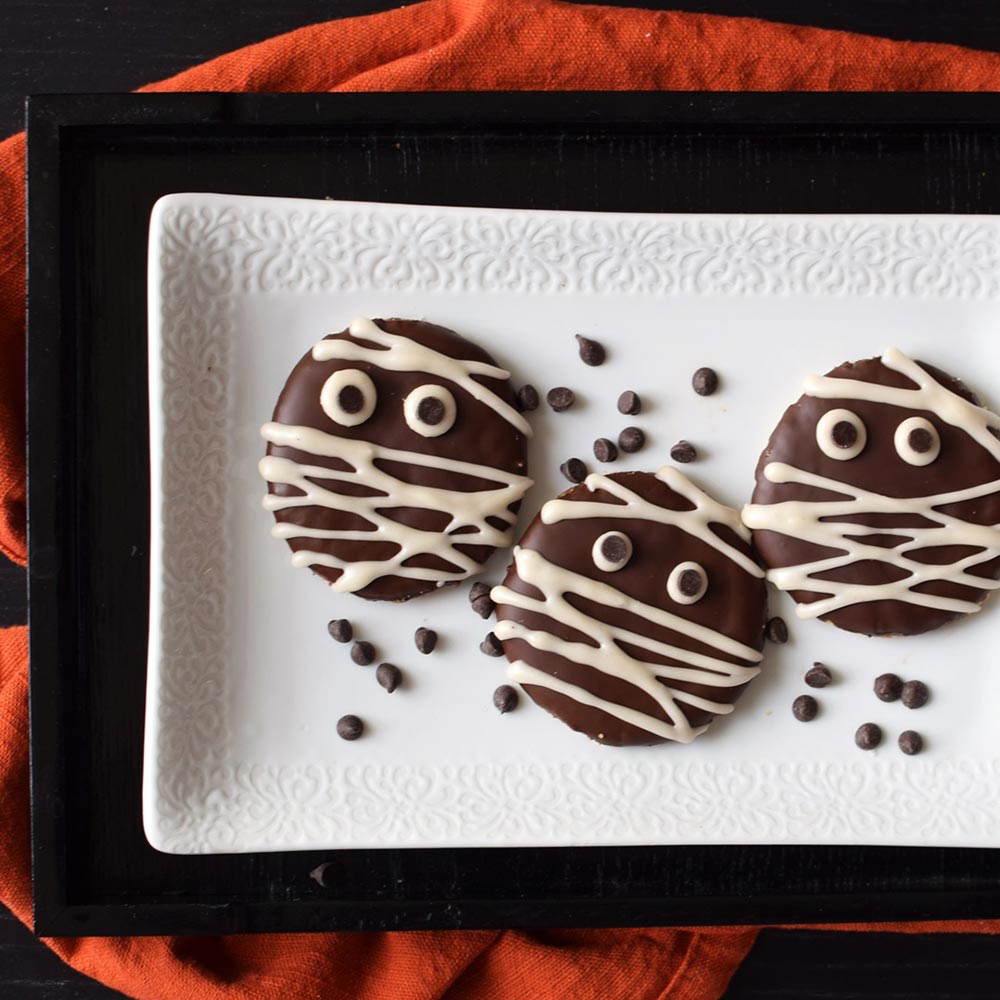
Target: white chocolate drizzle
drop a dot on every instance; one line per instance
(466, 509)
(405, 355)
(556, 582)
(821, 522)
(695, 522)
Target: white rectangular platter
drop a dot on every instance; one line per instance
(244, 683)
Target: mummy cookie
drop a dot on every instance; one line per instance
(633, 610)
(877, 504)
(395, 459)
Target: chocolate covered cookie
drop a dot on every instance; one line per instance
(633, 610)
(395, 459)
(877, 503)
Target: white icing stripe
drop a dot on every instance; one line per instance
(695, 522)
(820, 522)
(466, 509)
(555, 582)
(522, 673)
(406, 355)
(929, 395)
(815, 522)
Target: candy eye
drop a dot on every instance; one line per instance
(348, 397)
(612, 551)
(430, 410)
(917, 441)
(841, 435)
(687, 583)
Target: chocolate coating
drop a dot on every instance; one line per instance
(962, 464)
(479, 435)
(734, 604)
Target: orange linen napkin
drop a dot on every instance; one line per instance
(437, 45)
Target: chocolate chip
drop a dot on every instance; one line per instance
(705, 381)
(920, 440)
(479, 598)
(349, 727)
(505, 699)
(818, 676)
(483, 606)
(805, 707)
(527, 398)
(591, 352)
(690, 582)
(605, 450)
(868, 736)
(845, 434)
(322, 875)
(351, 399)
(915, 694)
(910, 742)
(561, 398)
(363, 653)
(425, 639)
(776, 631)
(615, 549)
(631, 439)
(629, 403)
(430, 411)
(389, 676)
(888, 687)
(683, 452)
(491, 645)
(341, 629)
(574, 470)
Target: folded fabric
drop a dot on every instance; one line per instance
(437, 45)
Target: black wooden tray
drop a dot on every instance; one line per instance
(96, 165)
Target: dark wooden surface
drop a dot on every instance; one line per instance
(66, 45)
